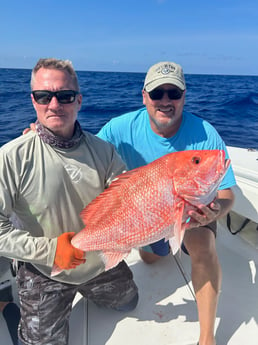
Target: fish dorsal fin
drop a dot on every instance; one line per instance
(125, 176)
(107, 201)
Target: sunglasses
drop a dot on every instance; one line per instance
(63, 96)
(157, 94)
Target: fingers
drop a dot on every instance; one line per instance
(78, 253)
(203, 215)
(67, 256)
(70, 235)
(76, 263)
(27, 130)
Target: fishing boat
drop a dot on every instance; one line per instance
(167, 313)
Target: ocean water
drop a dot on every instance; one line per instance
(230, 103)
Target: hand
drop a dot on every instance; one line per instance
(32, 128)
(204, 215)
(67, 256)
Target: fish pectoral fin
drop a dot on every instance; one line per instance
(112, 259)
(174, 246)
(179, 228)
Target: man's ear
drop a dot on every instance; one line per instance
(33, 101)
(143, 97)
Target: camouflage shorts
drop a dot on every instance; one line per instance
(46, 304)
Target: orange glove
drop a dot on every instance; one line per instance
(67, 256)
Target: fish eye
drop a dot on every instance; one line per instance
(196, 160)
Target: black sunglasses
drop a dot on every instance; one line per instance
(157, 94)
(63, 96)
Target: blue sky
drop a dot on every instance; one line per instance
(206, 37)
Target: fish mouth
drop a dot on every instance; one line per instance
(209, 196)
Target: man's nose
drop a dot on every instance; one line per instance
(54, 102)
(165, 98)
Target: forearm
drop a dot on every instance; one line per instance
(226, 200)
(18, 244)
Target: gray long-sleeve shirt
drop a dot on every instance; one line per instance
(47, 187)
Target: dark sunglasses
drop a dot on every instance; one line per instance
(157, 94)
(63, 96)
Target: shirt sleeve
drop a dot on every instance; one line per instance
(216, 142)
(16, 242)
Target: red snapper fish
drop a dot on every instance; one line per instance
(149, 203)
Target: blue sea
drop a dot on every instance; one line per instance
(230, 103)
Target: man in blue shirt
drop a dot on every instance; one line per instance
(160, 128)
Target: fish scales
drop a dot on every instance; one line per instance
(151, 193)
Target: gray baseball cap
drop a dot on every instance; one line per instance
(164, 73)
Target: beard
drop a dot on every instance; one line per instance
(166, 121)
(167, 125)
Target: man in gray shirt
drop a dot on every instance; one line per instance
(46, 178)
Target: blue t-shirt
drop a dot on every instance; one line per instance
(138, 145)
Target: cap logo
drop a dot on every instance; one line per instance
(166, 69)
